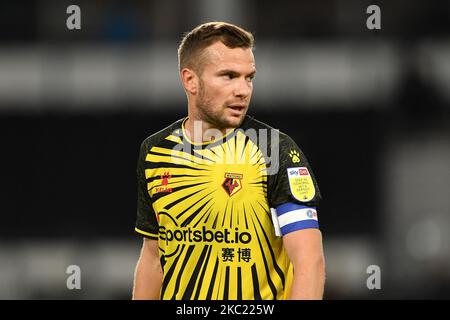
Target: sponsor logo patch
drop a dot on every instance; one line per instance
(164, 182)
(301, 184)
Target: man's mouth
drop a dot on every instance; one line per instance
(237, 107)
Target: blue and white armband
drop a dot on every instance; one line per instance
(290, 217)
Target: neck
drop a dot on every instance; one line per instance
(199, 130)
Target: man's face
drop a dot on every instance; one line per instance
(225, 86)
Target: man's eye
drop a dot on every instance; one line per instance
(228, 76)
(250, 78)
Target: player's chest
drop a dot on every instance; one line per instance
(219, 186)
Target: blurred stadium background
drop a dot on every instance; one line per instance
(371, 110)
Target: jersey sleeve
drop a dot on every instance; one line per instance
(293, 192)
(146, 222)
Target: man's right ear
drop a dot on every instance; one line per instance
(189, 80)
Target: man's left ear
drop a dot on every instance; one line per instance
(189, 80)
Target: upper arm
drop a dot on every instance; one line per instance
(150, 249)
(304, 246)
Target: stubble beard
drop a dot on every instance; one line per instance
(215, 118)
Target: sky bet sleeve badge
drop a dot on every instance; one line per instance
(301, 184)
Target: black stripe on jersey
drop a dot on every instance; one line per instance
(231, 216)
(195, 204)
(239, 215)
(157, 177)
(210, 149)
(201, 156)
(181, 182)
(266, 267)
(274, 261)
(247, 139)
(219, 141)
(257, 162)
(209, 215)
(257, 294)
(264, 209)
(263, 167)
(223, 149)
(169, 274)
(190, 286)
(168, 165)
(213, 280)
(207, 211)
(189, 186)
(229, 147)
(170, 205)
(185, 210)
(180, 273)
(162, 260)
(227, 280)
(250, 150)
(261, 187)
(155, 153)
(200, 281)
(163, 143)
(162, 194)
(239, 283)
(193, 215)
(225, 213)
(220, 284)
(262, 182)
(174, 253)
(254, 154)
(245, 216)
(215, 222)
(208, 145)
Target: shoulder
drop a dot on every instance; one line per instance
(251, 123)
(157, 137)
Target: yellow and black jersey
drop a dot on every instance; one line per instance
(219, 210)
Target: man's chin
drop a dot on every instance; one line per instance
(234, 121)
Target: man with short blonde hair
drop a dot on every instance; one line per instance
(217, 222)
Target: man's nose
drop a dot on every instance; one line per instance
(243, 88)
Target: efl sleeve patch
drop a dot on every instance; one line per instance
(291, 217)
(301, 184)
